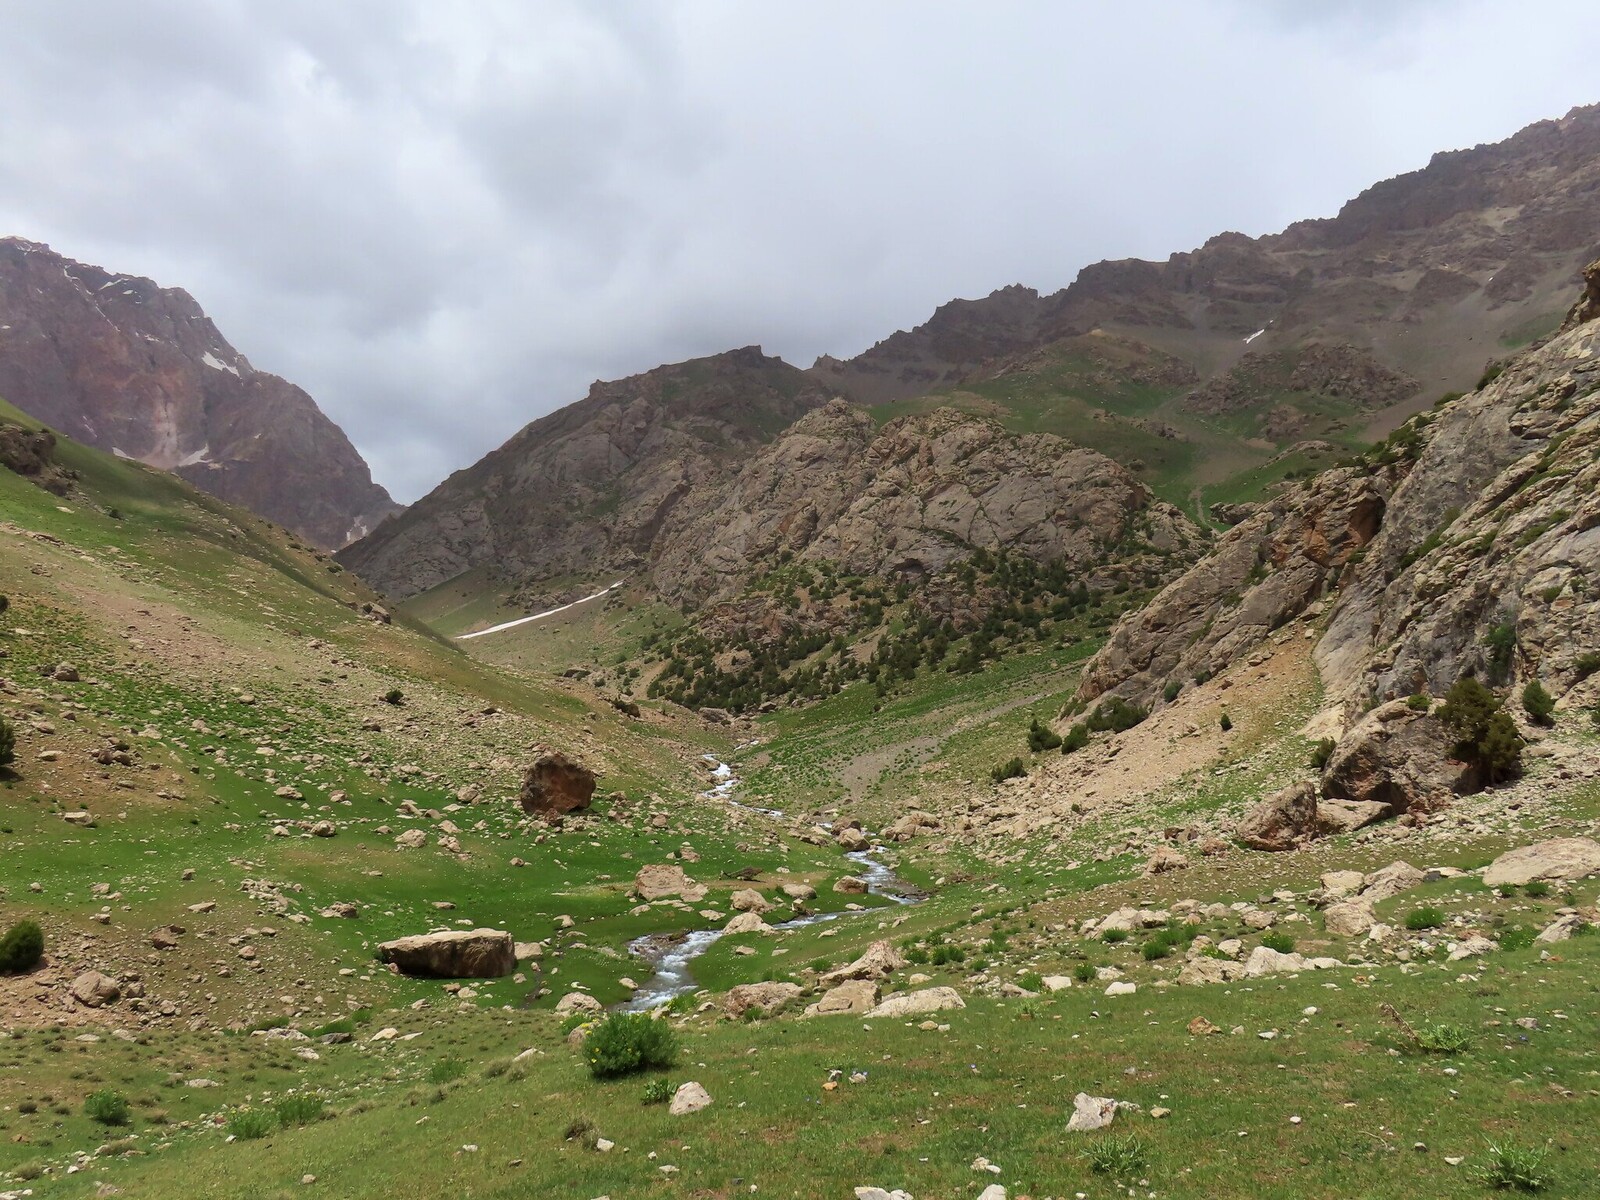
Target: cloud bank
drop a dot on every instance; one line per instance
(446, 220)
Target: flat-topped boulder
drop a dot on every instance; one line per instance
(454, 954)
(1557, 860)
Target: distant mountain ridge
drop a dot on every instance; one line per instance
(1212, 377)
(122, 364)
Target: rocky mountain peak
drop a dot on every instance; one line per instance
(123, 364)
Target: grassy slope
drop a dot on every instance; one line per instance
(998, 1082)
(1065, 391)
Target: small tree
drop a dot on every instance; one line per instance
(8, 743)
(1486, 736)
(1042, 737)
(1539, 704)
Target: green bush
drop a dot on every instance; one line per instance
(1116, 714)
(1277, 940)
(1226, 722)
(657, 1091)
(394, 696)
(21, 948)
(1042, 737)
(1419, 702)
(8, 743)
(1014, 769)
(1485, 734)
(1516, 1168)
(1426, 917)
(1538, 889)
(1440, 1038)
(1077, 738)
(1539, 704)
(1156, 948)
(1587, 664)
(1323, 752)
(1170, 692)
(1112, 936)
(298, 1110)
(447, 1070)
(1120, 1155)
(627, 1042)
(248, 1124)
(107, 1107)
(1501, 643)
(1083, 972)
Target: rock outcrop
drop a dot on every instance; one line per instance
(1397, 757)
(138, 370)
(587, 491)
(1282, 821)
(1467, 543)
(456, 954)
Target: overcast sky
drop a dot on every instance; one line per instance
(445, 219)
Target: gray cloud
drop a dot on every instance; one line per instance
(446, 220)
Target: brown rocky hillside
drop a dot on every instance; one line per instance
(126, 366)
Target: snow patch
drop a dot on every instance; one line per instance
(549, 612)
(216, 364)
(1254, 336)
(120, 454)
(201, 455)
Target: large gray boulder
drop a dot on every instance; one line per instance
(1397, 757)
(769, 999)
(1282, 821)
(909, 1004)
(1556, 860)
(456, 954)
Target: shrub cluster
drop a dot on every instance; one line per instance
(627, 1042)
(1486, 736)
(21, 948)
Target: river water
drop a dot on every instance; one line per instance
(673, 959)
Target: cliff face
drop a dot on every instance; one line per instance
(589, 490)
(126, 366)
(912, 499)
(1469, 542)
(1425, 274)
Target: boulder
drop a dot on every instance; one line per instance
(555, 785)
(661, 880)
(749, 900)
(1282, 821)
(689, 1098)
(852, 996)
(412, 839)
(1561, 928)
(456, 954)
(1164, 860)
(1350, 918)
(1346, 816)
(1264, 960)
(909, 826)
(1091, 1112)
(849, 885)
(1552, 861)
(1390, 881)
(578, 1002)
(747, 922)
(1398, 757)
(1342, 883)
(1205, 969)
(799, 891)
(880, 960)
(910, 1004)
(769, 998)
(851, 840)
(93, 989)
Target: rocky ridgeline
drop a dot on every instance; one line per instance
(915, 498)
(1467, 543)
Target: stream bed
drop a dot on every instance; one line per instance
(672, 955)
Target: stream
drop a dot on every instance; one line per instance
(673, 959)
